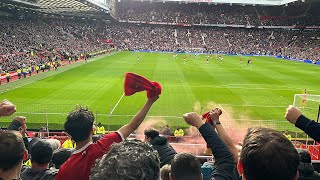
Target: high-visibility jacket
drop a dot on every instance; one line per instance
(37, 68)
(179, 132)
(288, 136)
(68, 144)
(24, 70)
(8, 74)
(28, 163)
(100, 130)
(19, 71)
(29, 68)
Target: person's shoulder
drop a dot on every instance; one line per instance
(49, 174)
(52, 172)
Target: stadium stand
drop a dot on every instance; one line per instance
(57, 32)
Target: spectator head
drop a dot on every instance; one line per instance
(12, 151)
(96, 137)
(304, 156)
(185, 166)
(60, 156)
(55, 143)
(267, 154)
(165, 172)
(131, 159)
(79, 124)
(150, 134)
(41, 153)
(99, 124)
(17, 122)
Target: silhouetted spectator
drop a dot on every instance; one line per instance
(306, 170)
(41, 154)
(60, 156)
(160, 144)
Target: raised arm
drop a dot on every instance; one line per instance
(294, 116)
(7, 108)
(127, 129)
(224, 167)
(214, 115)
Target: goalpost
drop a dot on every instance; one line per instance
(309, 106)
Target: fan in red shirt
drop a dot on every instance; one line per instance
(79, 126)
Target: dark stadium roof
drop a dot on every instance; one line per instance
(243, 2)
(60, 7)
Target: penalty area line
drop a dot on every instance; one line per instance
(117, 104)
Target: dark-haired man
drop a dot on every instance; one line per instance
(79, 126)
(41, 154)
(160, 144)
(12, 153)
(267, 154)
(185, 166)
(128, 160)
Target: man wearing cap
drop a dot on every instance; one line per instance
(41, 154)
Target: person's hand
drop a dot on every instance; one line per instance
(215, 114)
(292, 114)
(23, 130)
(153, 99)
(193, 119)
(7, 108)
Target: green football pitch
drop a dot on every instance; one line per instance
(249, 95)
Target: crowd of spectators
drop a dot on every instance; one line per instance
(265, 154)
(297, 13)
(32, 43)
(26, 43)
(293, 44)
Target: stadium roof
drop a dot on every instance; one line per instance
(62, 7)
(243, 2)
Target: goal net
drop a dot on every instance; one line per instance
(308, 104)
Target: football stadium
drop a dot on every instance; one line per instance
(220, 79)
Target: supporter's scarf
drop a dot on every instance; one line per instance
(135, 83)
